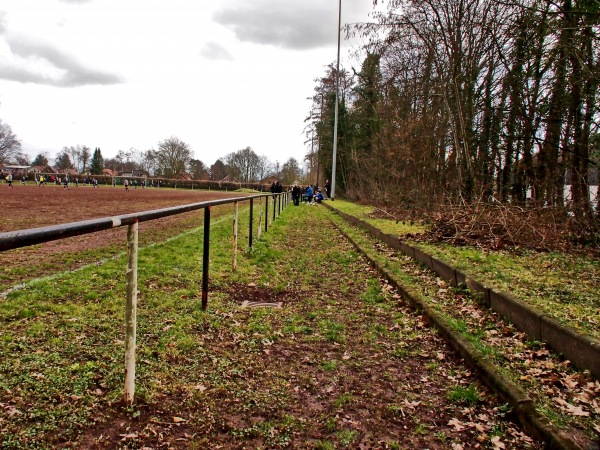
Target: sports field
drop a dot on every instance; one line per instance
(30, 206)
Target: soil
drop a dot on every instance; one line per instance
(382, 383)
(30, 206)
(334, 369)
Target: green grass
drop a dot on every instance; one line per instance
(512, 356)
(463, 395)
(236, 374)
(390, 225)
(562, 285)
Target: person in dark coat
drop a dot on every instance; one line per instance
(273, 189)
(328, 188)
(296, 194)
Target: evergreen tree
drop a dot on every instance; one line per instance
(63, 161)
(97, 164)
(40, 160)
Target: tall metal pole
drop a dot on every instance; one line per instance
(312, 152)
(337, 94)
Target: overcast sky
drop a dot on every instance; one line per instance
(121, 74)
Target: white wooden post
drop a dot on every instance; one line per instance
(235, 233)
(260, 210)
(131, 312)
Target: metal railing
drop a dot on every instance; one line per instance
(23, 238)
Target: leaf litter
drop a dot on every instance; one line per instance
(568, 397)
(344, 363)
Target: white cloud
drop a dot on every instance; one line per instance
(301, 25)
(215, 51)
(35, 62)
(186, 75)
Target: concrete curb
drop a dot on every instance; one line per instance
(508, 391)
(582, 350)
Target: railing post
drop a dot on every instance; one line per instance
(131, 312)
(266, 213)
(205, 258)
(274, 208)
(235, 234)
(260, 216)
(251, 219)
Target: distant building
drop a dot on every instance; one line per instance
(15, 169)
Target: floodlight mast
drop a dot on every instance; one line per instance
(337, 93)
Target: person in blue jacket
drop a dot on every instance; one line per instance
(319, 196)
(309, 194)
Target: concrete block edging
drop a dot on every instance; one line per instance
(510, 392)
(580, 349)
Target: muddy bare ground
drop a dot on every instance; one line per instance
(343, 364)
(30, 206)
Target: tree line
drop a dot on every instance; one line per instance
(173, 158)
(467, 100)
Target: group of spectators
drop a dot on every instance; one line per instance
(312, 193)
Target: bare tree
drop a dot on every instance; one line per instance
(246, 165)
(84, 157)
(9, 144)
(291, 172)
(172, 156)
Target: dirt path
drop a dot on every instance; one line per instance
(343, 364)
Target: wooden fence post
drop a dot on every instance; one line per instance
(131, 312)
(250, 231)
(260, 215)
(235, 234)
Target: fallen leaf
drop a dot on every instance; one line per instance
(457, 424)
(411, 404)
(497, 443)
(178, 420)
(129, 436)
(577, 411)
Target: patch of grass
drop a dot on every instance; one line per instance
(464, 395)
(329, 366)
(343, 400)
(373, 293)
(562, 285)
(395, 226)
(332, 330)
(331, 424)
(443, 437)
(346, 437)
(421, 429)
(324, 445)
